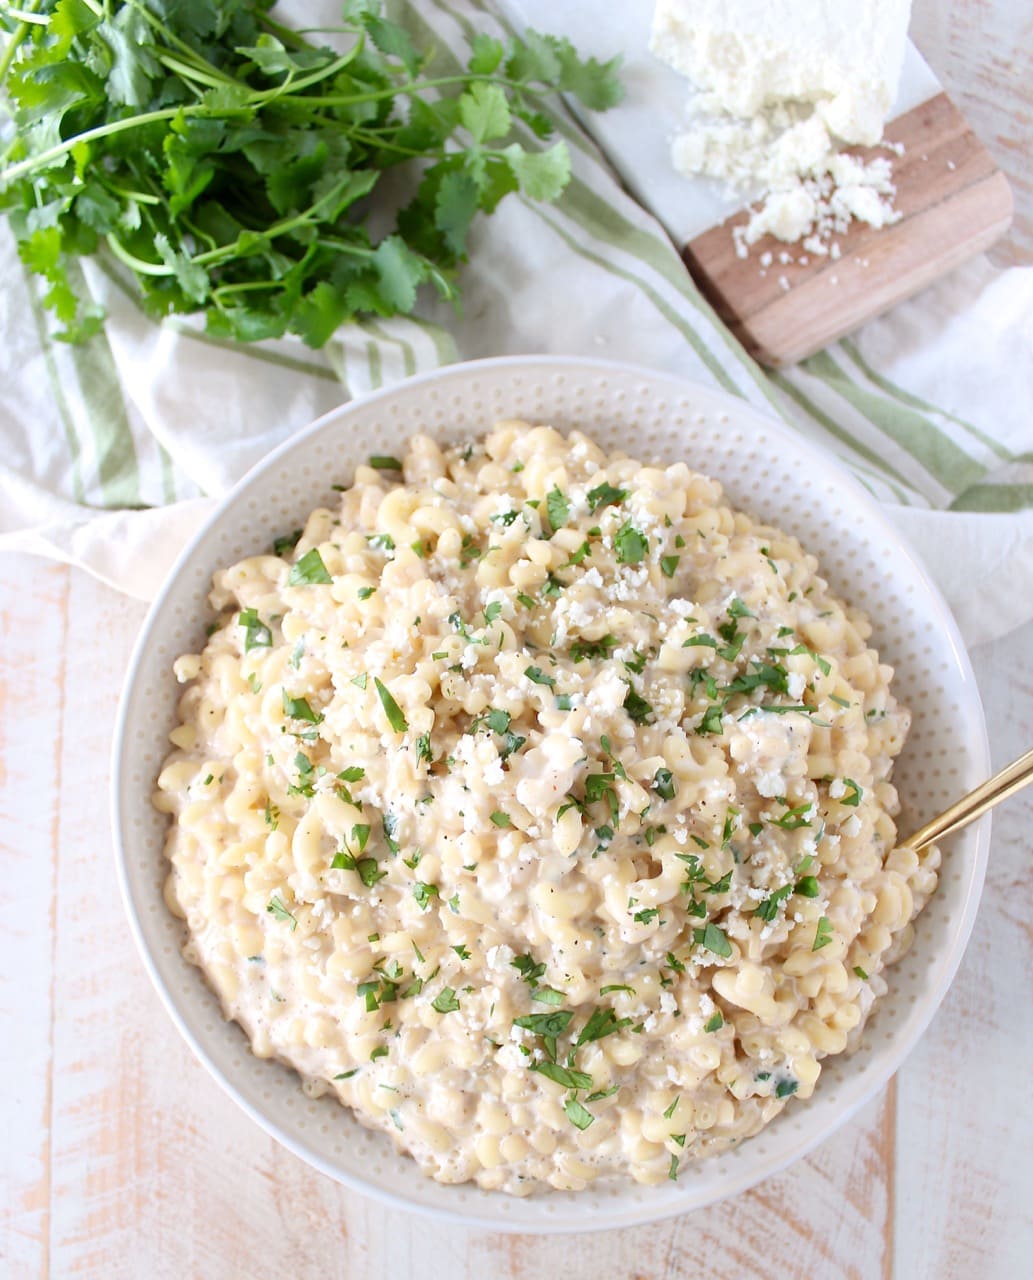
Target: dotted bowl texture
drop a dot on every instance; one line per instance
(766, 470)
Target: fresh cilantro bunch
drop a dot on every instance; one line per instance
(237, 170)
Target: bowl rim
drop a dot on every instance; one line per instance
(876, 1075)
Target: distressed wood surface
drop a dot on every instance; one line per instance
(121, 1158)
(982, 52)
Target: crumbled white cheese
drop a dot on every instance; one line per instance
(781, 87)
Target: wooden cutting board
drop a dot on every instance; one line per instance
(953, 200)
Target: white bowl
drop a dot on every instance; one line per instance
(766, 470)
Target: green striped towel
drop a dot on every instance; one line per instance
(114, 452)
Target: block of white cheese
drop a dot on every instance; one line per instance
(780, 86)
(844, 56)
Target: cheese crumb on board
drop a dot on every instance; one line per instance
(781, 87)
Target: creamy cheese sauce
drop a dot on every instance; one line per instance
(538, 805)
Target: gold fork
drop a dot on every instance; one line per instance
(1011, 778)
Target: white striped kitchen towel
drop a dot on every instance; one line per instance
(113, 452)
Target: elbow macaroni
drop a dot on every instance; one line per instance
(538, 805)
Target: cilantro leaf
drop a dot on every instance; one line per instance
(557, 505)
(392, 710)
(566, 1076)
(445, 1001)
(256, 634)
(309, 570)
(631, 545)
(226, 157)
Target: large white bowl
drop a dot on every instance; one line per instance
(766, 470)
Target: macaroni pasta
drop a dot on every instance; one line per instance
(539, 805)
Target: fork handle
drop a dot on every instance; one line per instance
(1011, 778)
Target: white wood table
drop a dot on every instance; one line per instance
(119, 1157)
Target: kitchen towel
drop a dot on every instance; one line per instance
(114, 452)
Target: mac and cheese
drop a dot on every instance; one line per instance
(538, 805)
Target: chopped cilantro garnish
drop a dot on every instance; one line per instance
(501, 819)
(823, 666)
(392, 710)
(637, 707)
(529, 971)
(768, 909)
(722, 885)
(582, 649)
(856, 793)
(605, 495)
(860, 973)
(545, 1024)
(256, 634)
(786, 1088)
(276, 908)
(423, 894)
(537, 676)
(669, 565)
(663, 784)
(299, 709)
(547, 995)
(445, 1001)
(715, 1022)
(566, 1076)
(602, 1023)
(793, 819)
(309, 570)
(558, 506)
(492, 611)
(580, 1117)
(286, 542)
(822, 934)
(389, 825)
(808, 887)
(713, 939)
(384, 462)
(631, 545)
(368, 869)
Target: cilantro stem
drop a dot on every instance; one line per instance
(28, 15)
(414, 86)
(212, 79)
(137, 264)
(17, 36)
(44, 158)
